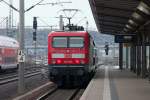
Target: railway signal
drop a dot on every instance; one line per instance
(34, 36)
(34, 27)
(106, 49)
(34, 22)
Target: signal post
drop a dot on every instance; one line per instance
(34, 36)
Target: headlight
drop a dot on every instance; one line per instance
(78, 55)
(58, 55)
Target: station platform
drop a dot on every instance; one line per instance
(110, 83)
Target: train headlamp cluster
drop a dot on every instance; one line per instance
(78, 55)
(58, 55)
(144, 8)
(61, 55)
(77, 58)
(61, 61)
(138, 18)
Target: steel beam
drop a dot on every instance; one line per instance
(112, 24)
(113, 18)
(144, 69)
(104, 14)
(139, 55)
(149, 65)
(127, 57)
(114, 8)
(112, 21)
(138, 60)
(120, 56)
(134, 58)
(131, 58)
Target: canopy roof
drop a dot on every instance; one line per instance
(111, 16)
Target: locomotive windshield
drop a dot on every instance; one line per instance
(60, 42)
(76, 42)
(69, 42)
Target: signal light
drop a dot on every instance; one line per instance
(77, 61)
(106, 49)
(34, 22)
(59, 61)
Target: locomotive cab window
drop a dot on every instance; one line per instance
(60, 42)
(76, 42)
(68, 42)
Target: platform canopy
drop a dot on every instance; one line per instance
(111, 16)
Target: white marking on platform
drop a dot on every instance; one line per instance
(115, 67)
(106, 91)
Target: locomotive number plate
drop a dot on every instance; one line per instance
(68, 56)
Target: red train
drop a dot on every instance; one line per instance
(8, 53)
(70, 57)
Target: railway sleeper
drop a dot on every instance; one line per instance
(71, 81)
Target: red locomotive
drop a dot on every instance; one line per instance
(70, 57)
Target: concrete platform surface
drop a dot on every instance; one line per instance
(110, 83)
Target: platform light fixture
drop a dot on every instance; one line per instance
(129, 27)
(125, 30)
(133, 23)
(137, 16)
(144, 8)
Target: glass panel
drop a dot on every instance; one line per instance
(60, 42)
(76, 42)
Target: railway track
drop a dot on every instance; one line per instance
(13, 78)
(14, 73)
(62, 94)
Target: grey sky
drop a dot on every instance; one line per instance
(47, 13)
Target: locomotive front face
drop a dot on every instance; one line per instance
(68, 54)
(68, 50)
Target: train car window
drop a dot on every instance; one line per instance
(9, 59)
(60, 42)
(76, 41)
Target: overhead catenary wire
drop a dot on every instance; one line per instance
(34, 5)
(10, 5)
(40, 3)
(3, 20)
(55, 3)
(46, 23)
(81, 20)
(63, 8)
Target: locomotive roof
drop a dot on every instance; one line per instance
(68, 33)
(8, 42)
